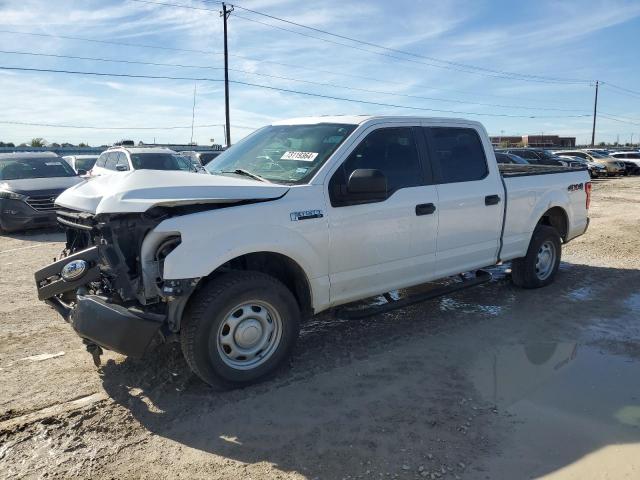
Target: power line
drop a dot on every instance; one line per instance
(445, 64)
(512, 75)
(622, 91)
(188, 50)
(93, 127)
(609, 117)
(324, 84)
(286, 90)
(206, 52)
(628, 90)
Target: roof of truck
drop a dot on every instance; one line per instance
(359, 119)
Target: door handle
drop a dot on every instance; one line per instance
(425, 209)
(492, 199)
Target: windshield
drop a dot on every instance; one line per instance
(596, 154)
(283, 153)
(21, 168)
(159, 161)
(85, 163)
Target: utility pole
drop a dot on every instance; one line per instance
(595, 112)
(193, 111)
(225, 16)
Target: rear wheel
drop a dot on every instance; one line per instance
(540, 265)
(239, 328)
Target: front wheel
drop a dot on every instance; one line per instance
(239, 328)
(540, 265)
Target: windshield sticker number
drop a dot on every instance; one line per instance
(51, 164)
(301, 156)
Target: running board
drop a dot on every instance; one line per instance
(481, 277)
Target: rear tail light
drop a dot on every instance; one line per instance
(587, 189)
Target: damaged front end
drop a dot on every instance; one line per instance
(108, 282)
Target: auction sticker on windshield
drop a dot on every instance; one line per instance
(302, 156)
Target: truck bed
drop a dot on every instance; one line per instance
(514, 170)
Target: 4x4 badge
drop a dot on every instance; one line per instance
(305, 215)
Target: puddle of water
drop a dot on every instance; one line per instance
(580, 294)
(633, 302)
(448, 304)
(565, 400)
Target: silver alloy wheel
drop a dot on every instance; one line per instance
(249, 335)
(545, 260)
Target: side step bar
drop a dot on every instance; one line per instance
(481, 277)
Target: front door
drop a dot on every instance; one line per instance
(388, 243)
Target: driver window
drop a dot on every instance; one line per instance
(393, 151)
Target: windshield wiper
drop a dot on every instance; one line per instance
(247, 173)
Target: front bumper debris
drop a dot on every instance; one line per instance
(129, 331)
(49, 281)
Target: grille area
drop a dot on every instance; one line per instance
(80, 220)
(42, 203)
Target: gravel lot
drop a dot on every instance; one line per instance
(492, 382)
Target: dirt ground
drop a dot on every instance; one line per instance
(492, 382)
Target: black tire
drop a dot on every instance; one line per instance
(524, 271)
(212, 306)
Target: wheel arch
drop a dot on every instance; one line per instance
(557, 218)
(277, 265)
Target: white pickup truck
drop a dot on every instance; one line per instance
(301, 216)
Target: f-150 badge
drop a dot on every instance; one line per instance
(305, 215)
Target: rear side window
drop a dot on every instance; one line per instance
(457, 154)
(503, 158)
(101, 160)
(525, 154)
(123, 163)
(393, 151)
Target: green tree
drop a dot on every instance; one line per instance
(82, 144)
(38, 142)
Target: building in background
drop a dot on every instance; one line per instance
(540, 141)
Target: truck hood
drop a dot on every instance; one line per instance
(140, 190)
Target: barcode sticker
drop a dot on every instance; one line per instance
(301, 156)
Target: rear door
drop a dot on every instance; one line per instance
(389, 243)
(470, 197)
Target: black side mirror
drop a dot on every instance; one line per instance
(122, 168)
(82, 172)
(367, 184)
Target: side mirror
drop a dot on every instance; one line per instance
(367, 184)
(82, 172)
(122, 168)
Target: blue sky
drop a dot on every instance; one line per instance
(582, 40)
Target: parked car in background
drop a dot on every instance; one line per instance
(595, 169)
(535, 156)
(503, 157)
(29, 185)
(614, 167)
(81, 164)
(631, 161)
(201, 157)
(124, 159)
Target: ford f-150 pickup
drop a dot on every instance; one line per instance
(299, 217)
